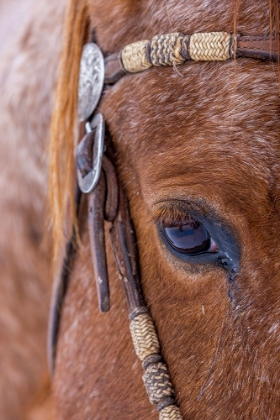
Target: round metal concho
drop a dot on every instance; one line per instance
(92, 73)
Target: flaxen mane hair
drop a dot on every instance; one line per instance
(64, 131)
(64, 127)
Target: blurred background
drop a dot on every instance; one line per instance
(30, 33)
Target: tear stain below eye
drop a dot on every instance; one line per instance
(231, 265)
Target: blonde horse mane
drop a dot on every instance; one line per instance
(64, 126)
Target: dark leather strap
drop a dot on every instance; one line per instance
(125, 251)
(113, 69)
(60, 287)
(96, 206)
(102, 205)
(260, 47)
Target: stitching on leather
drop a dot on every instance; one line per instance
(256, 49)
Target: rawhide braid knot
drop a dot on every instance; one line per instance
(171, 412)
(210, 46)
(144, 336)
(157, 382)
(156, 376)
(134, 57)
(166, 50)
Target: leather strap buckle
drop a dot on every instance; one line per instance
(90, 153)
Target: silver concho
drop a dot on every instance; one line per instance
(92, 72)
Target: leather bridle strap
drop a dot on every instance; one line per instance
(60, 287)
(176, 49)
(107, 202)
(145, 340)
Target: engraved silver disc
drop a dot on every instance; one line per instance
(92, 73)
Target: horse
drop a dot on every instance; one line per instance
(196, 148)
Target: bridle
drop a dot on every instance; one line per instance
(97, 177)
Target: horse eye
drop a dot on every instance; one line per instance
(190, 237)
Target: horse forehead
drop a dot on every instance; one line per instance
(119, 22)
(198, 96)
(198, 120)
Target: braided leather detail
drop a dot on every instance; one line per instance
(134, 57)
(165, 50)
(157, 382)
(210, 46)
(144, 336)
(174, 49)
(156, 377)
(170, 413)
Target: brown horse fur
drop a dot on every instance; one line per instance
(203, 136)
(30, 50)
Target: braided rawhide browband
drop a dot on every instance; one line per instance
(176, 48)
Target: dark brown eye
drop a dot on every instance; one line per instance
(190, 237)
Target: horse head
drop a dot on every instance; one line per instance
(196, 152)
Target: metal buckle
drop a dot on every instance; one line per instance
(88, 182)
